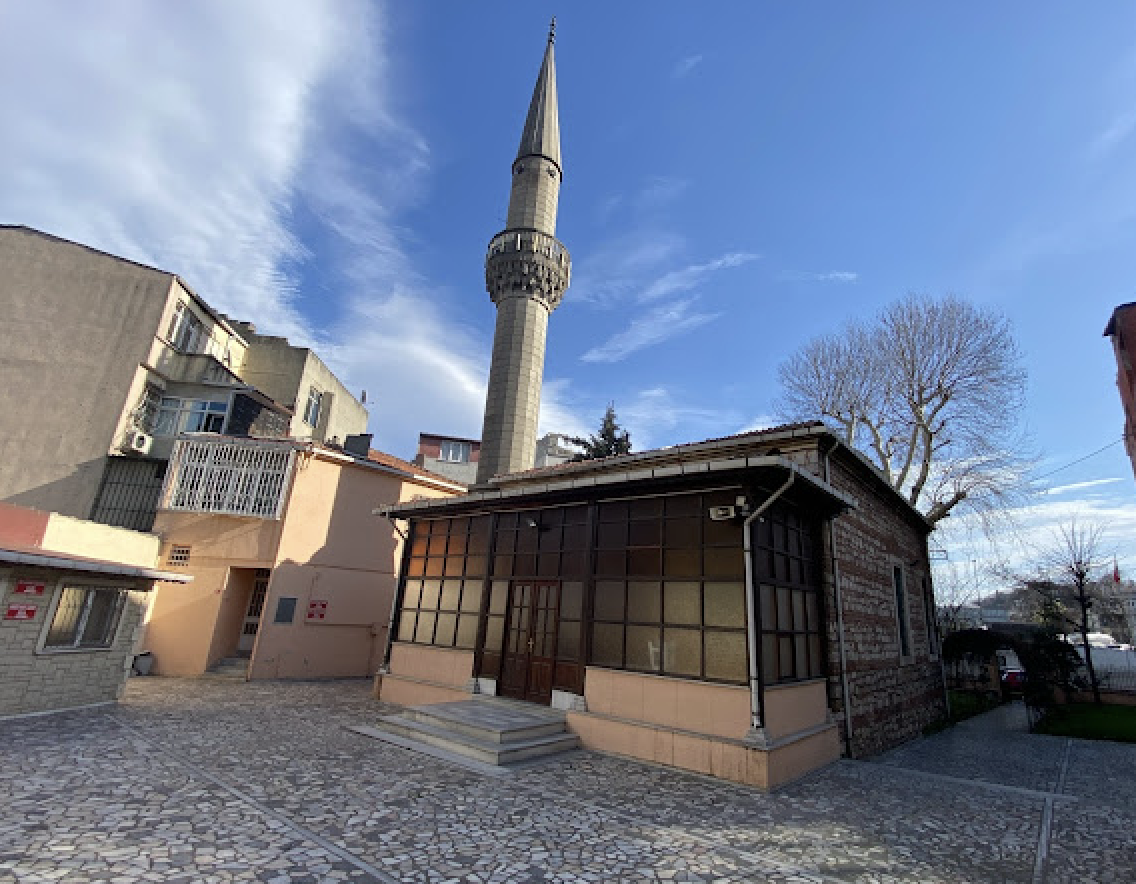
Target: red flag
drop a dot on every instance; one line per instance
(1115, 571)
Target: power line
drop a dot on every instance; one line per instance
(1080, 459)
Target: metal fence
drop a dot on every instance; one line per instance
(234, 477)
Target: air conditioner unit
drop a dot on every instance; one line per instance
(722, 513)
(138, 443)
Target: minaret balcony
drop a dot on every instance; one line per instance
(527, 263)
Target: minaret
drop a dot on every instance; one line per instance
(526, 272)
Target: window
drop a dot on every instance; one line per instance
(312, 409)
(929, 616)
(177, 416)
(86, 617)
(187, 332)
(285, 610)
(454, 451)
(178, 557)
(901, 612)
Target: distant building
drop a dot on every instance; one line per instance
(552, 449)
(451, 456)
(1121, 329)
(106, 361)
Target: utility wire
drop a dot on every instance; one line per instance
(1080, 459)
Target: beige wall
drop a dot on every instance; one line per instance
(187, 625)
(94, 541)
(68, 357)
(36, 681)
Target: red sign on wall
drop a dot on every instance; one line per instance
(30, 587)
(20, 612)
(316, 610)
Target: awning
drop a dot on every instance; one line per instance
(65, 562)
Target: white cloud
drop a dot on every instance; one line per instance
(688, 277)
(685, 65)
(1080, 486)
(1118, 130)
(760, 422)
(829, 276)
(655, 418)
(647, 329)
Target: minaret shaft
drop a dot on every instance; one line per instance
(526, 272)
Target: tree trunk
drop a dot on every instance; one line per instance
(1084, 602)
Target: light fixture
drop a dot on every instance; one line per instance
(532, 522)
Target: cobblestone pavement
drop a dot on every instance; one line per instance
(218, 781)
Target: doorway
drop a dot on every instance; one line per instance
(530, 640)
(252, 614)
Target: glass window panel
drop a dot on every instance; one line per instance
(471, 596)
(724, 562)
(574, 564)
(811, 609)
(568, 644)
(612, 562)
(681, 603)
(684, 505)
(768, 599)
(503, 564)
(451, 593)
(412, 594)
(437, 546)
(725, 604)
(607, 644)
(781, 567)
(644, 601)
(769, 670)
(646, 507)
(456, 546)
(524, 563)
(575, 536)
(406, 626)
(682, 563)
(434, 567)
(431, 590)
(506, 521)
(681, 533)
(682, 651)
(494, 633)
(66, 620)
(784, 609)
(459, 525)
(644, 648)
(475, 566)
(571, 600)
(527, 536)
(612, 535)
(609, 599)
(506, 542)
(815, 667)
(801, 656)
(499, 596)
(722, 533)
(549, 540)
(799, 622)
(785, 656)
(479, 535)
(440, 526)
(646, 562)
(615, 511)
(415, 567)
(726, 656)
(444, 633)
(645, 533)
(418, 548)
(548, 564)
(454, 566)
(575, 515)
(467, 631)
(424, 634)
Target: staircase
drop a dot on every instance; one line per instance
(229, 667)
(484, 732)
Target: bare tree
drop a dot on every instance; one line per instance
(931, 391)
(1070, 564)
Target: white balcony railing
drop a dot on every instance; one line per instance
(235, 477)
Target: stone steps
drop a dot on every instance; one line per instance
(485, 730)
(229, 667)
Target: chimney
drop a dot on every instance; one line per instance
(358, 444)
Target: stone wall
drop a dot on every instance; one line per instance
(892, 696)
(46, 681)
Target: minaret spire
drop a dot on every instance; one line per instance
(526, 272)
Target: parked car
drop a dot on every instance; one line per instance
(1013, 680)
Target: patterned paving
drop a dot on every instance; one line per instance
(212, 781)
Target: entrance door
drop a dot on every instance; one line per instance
(252, 615)
(530, 641)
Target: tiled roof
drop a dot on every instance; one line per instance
(397, 463)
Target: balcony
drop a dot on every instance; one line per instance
(227, 476)
(194, 368)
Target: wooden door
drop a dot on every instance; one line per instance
(530, 641)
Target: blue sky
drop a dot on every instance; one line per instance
(737, 178)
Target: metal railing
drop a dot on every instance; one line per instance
(229, 476)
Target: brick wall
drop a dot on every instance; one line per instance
(892, 697)
(31, 682)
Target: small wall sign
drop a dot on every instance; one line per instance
(20, 612)
(317, 610)
(30, 587)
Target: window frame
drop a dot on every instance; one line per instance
(930, 618)
(451, 447)
(902, 602)
(176, 413)
(91, 588)
(314, 407)
(187, 332)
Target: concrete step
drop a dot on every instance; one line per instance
(229, 667)
(488, 722)
(433, 731)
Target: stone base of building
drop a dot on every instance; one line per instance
(692, 725)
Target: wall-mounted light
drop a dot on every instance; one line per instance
(532, 522)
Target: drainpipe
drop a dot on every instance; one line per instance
(845, 693)
(756, 735)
